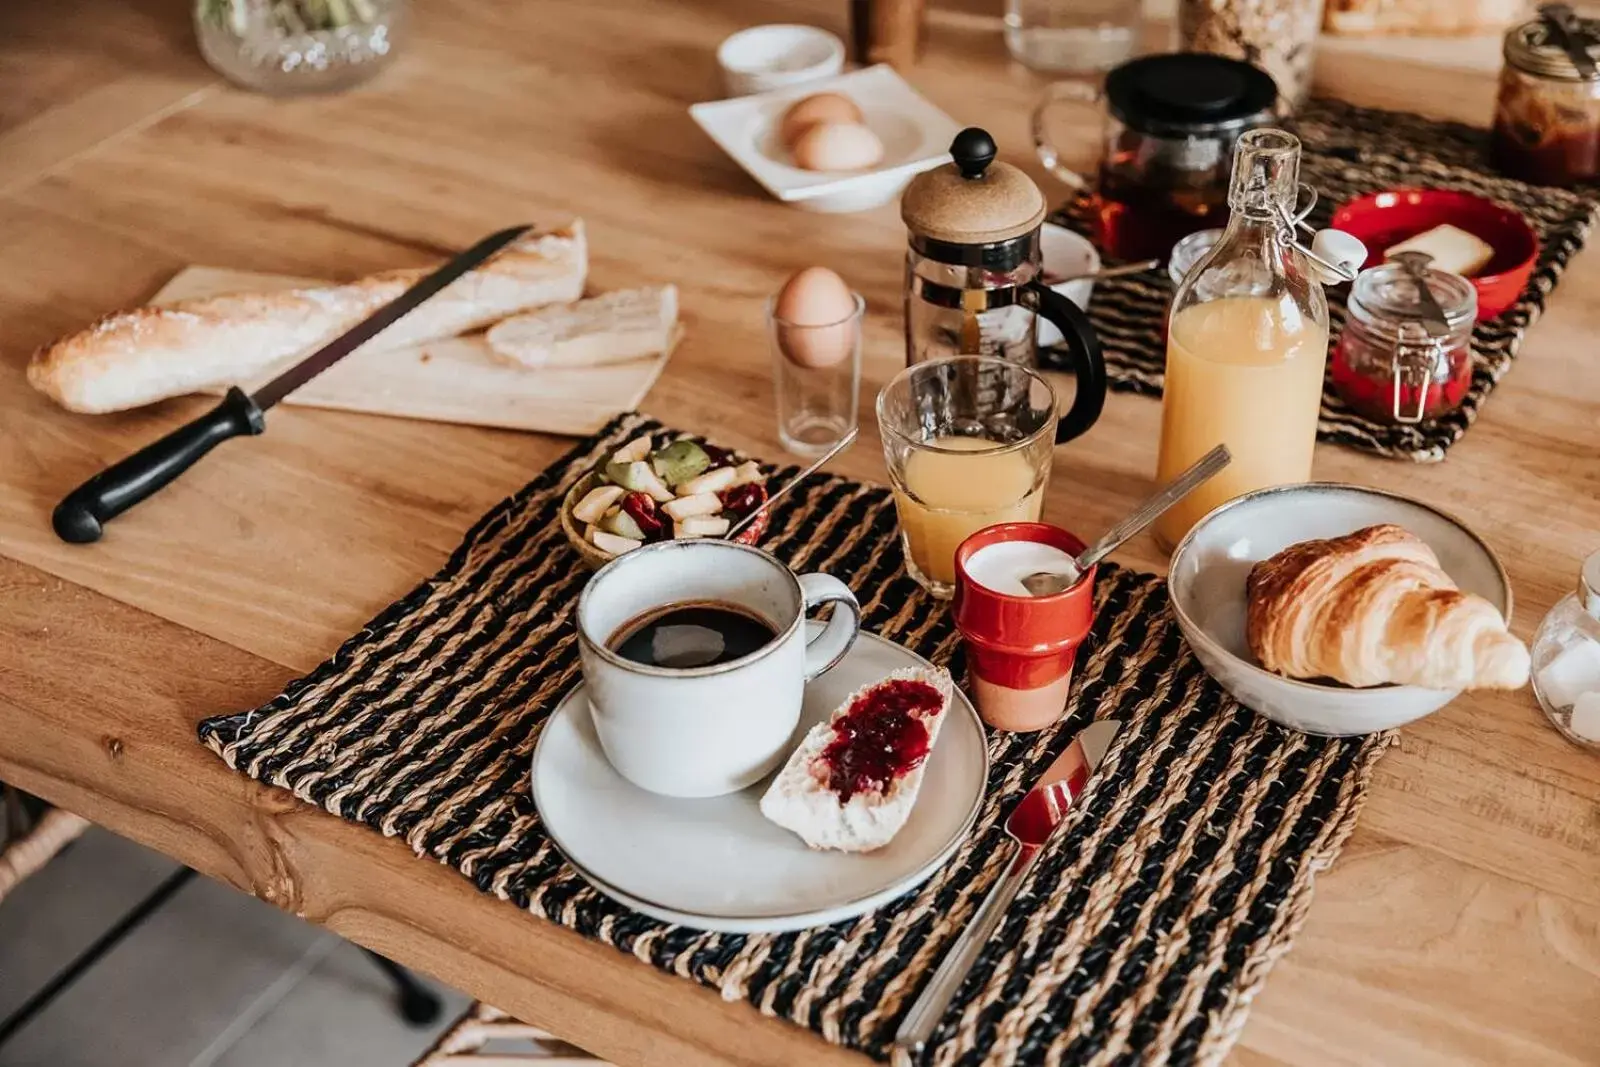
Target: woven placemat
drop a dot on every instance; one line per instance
(1351, 151)
(1141, 937)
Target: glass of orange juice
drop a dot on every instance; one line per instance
(968, 442)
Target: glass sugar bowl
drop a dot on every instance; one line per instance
(1566, 660)
(1390, 364)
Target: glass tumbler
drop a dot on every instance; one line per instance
(816, 378)
(968, 442)
(1072, 36)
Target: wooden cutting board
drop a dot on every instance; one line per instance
(456, 380)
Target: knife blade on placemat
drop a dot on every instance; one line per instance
(82, 515)
(1030, 826)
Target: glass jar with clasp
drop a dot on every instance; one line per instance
(1393, 365)
(974, 283)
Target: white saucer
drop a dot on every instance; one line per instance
(716, 863)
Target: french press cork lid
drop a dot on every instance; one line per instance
(972, 200)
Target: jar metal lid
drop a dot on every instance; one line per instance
(1589, 586)
(1534, 49)
(1189, 94)
(1385, 296)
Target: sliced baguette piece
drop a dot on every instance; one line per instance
(800, 798)
(610, 328)
(138, 357)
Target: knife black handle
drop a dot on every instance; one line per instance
(80, 518)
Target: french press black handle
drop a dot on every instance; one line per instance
(1081, 357)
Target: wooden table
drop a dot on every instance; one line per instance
(1459, 926)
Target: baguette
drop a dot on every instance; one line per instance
(137, 357)
(1378, 18)
(611, 328)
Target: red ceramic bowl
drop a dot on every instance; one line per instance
(1383, 220)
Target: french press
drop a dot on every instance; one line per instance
(973, 285)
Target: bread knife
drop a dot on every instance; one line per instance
(1030, 827)
(81, 517)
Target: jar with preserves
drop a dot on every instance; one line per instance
(1547, 116)
(1390, 365)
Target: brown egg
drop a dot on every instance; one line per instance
(818, 107)
(837, 146)
(814, 313)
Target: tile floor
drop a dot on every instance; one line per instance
(214, 978)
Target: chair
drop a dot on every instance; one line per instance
(468, 1044)
(31, 833)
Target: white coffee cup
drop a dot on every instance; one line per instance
(705, 731)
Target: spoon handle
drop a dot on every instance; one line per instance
(1151, 509)
(784, 489)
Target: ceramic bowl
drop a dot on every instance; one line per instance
(1207, 585)
(1066, 254)
(595, 557)
(1383, 220)
(763, 58)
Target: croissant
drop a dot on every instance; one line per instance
(1374, 607)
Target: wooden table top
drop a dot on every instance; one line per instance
(1460, 925)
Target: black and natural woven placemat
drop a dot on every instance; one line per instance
(1351, 151)
(1143, 935)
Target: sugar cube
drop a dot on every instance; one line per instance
(1585, 721)
(1574, 672)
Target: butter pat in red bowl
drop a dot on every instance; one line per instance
(1384, 220)
(1020, 648)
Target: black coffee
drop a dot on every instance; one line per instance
(697, 633)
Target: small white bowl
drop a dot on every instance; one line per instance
(916, 136)
(781, 56)
(1207, 584)
(1066, 254)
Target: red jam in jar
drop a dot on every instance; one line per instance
(880, 737)
(1391, 365)
(1547, 113)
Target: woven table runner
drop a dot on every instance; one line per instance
(1348, 152)
(1141, 937)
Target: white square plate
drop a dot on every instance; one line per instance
(916, 137)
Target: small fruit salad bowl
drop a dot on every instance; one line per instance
(659, 487)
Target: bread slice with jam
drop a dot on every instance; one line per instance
(852, 782)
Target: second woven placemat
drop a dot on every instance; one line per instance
(1142, 936)
(1351, 151)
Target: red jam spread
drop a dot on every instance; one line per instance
(880, 737)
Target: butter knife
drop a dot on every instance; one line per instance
(81, 517)
(1030, 826)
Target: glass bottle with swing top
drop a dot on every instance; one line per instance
(1247, 341)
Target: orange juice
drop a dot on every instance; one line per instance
(951, 494)
(1245, 371)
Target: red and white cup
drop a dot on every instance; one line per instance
(1020, 649)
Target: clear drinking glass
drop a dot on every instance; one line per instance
(968, 442)
(1072, 36)
(816, 378)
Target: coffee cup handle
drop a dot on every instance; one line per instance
(1049, 155)
(824, 651)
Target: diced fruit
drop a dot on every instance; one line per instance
(609, 542)
(621, 523)
(701, 526)
(711, 481)
(596, 501)
(720, 457)
(644, 513)
(638, 448)
(746, 473)
(679, 461)
(741, 500)
(687, 506)
(637, 477)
